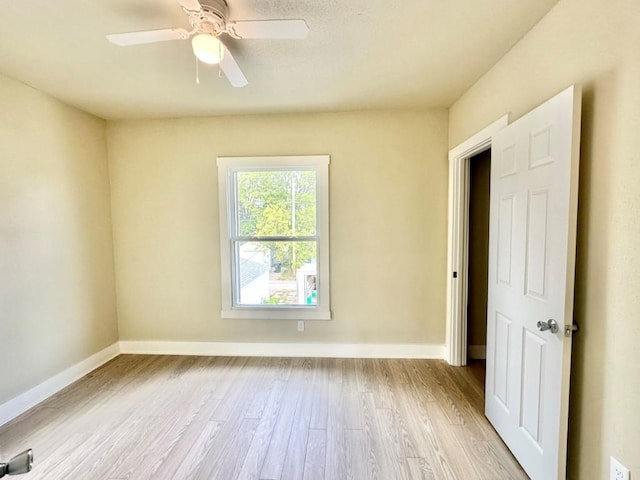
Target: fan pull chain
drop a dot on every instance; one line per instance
(197, 73)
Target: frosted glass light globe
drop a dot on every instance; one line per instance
(207, 48)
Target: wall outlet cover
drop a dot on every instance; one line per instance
(617, 470)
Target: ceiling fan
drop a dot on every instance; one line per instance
(210, 21)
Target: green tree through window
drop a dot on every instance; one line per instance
(279, 203)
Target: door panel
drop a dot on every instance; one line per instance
(532, 385)
(536, 262)
(531, 260)
(505, 237)
(508, 165)
(502, 359)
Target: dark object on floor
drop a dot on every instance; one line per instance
(21, 463)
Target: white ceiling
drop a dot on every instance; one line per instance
(360, 54)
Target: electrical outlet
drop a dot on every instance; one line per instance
(301, 325)
(618, 471)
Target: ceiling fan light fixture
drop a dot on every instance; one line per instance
(207, 48)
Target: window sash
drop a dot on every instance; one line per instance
(232, 186)
(236, 273)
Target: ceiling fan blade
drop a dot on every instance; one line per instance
(150, 36)
(270, 29)
(231, 70)
(191, 5)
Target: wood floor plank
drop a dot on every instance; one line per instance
(264, 390)
(293, 468)
(178, 444)
(382, 384)
(393, 439)
(399, 374)
(488, 459)
(226, 462)
(320, 386)
(351, 397)
(356, 454)
(464, 400)
(439, 391)
(334, 368)
(418, 381)
(231, 387)
(423, 436)
(372, 440)
(336, 463)
(458, 463)
(315, 457)
(282, 367)
(114, 448)
(363, 376)
(143, 464)
(171, 417)
(386, 457)
(420, 469)
(237, 431)
(276, 454)
(257, 452)
(191, 461)
(60, 462)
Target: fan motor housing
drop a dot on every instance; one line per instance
(212, 18)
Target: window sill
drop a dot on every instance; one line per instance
(291, 313)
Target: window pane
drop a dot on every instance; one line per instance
(276, 203)
(277, 273)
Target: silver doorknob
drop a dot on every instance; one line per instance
(550, 324)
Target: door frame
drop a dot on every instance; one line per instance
(458, 239)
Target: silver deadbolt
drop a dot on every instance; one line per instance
(550, 324)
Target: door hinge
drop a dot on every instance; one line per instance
(569, 329)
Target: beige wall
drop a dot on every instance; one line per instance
(594, 43)
(388, 195)
(57, 295)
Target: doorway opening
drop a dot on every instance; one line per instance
(478, 262)
(478, 256)
(461, 159)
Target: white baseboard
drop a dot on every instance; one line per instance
(329, 350)
(23, 402)
(477, 352)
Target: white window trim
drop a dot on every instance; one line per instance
(229, 165)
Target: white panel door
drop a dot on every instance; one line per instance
(534, 184)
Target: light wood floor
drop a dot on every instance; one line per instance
(163, 417)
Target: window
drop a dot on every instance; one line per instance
(274, 237)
